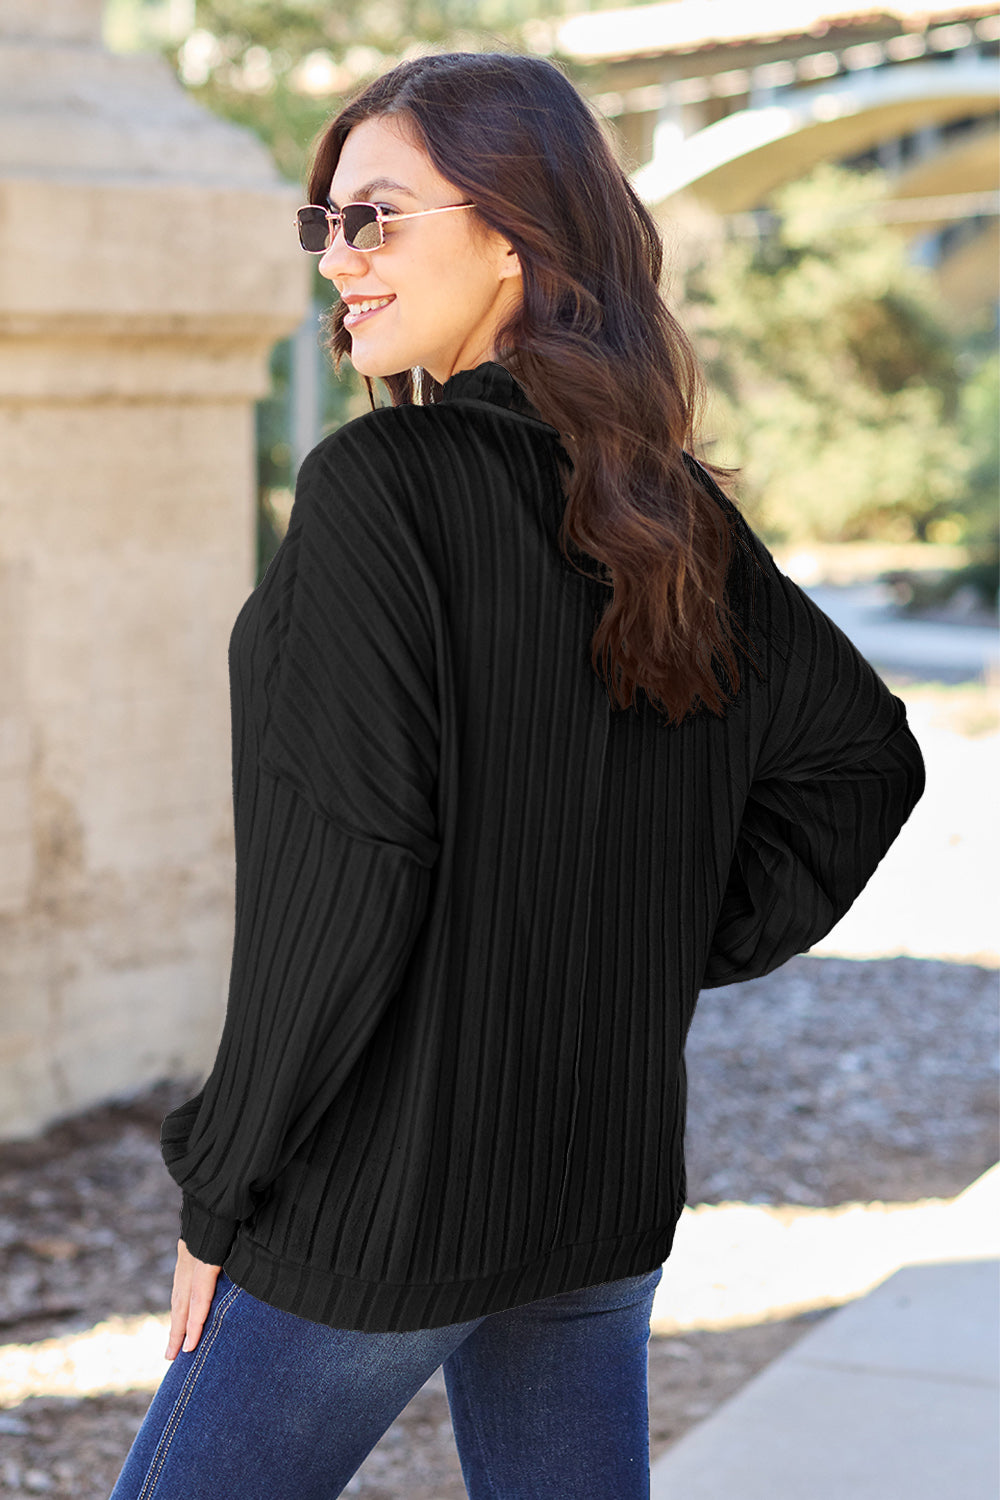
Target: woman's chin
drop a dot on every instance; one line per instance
(366, 362)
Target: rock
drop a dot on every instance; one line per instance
(54, 1248)
(37, 1482)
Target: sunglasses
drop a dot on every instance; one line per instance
(361, 222)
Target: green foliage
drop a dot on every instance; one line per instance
(838, 386)
(283, 69)
(979, 425)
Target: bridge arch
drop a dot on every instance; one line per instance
(736, 163)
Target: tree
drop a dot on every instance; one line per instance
(978, 525)
(282, 69)
(837, 384)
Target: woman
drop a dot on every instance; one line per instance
(531, 742)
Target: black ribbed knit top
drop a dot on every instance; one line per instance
(475, 905)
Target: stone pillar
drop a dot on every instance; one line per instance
(147, 264)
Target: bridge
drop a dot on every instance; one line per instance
(722, 102)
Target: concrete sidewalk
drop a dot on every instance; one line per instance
(894, 1397)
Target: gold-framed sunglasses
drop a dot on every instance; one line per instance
(361, 222)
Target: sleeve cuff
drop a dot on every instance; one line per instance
(208, 1237)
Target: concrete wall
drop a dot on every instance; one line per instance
(147, 264)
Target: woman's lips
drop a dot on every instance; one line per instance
(352, 319)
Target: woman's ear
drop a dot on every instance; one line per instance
(510, 264)
(500, 254)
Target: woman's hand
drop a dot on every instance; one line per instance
(194, 1288)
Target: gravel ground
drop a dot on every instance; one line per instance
(830, 1081)
(836, 1080)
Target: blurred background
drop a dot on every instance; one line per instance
(826, 178)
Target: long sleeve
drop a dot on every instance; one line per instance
(336, 842)
(325, 925)
(837, 773)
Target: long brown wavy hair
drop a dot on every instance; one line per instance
(595, 349)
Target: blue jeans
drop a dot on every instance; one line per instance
(548, 1401)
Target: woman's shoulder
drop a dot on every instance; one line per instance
(404, 456)
(385, 470)
(417, 424)
(750, 559)
(769, 607)
(394, 444)
(372, 431)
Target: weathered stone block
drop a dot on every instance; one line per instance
(147, 265)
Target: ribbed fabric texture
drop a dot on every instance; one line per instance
(474, 904)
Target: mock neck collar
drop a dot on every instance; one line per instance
(492, 383)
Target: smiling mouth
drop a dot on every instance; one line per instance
(366, 310)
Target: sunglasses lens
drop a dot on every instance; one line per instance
(314, 230)
(362, 229)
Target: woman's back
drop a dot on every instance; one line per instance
(517, 893)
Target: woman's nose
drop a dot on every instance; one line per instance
(341, 259)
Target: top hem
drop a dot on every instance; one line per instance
(324, 1296)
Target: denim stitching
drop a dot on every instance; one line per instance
(187, 1390)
